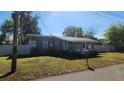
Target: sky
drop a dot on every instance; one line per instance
(54, 22)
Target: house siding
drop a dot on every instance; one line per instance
(51, 40)
(60, 45)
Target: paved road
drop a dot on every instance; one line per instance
(108, 73)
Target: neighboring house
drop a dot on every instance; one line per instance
(60, 43)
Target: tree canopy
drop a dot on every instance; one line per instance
(74, 31)
(6, 31)
(28, 24)
(115, 36)
(90, 33)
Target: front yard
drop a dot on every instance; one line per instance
(37, 67)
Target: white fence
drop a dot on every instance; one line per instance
(104, 48)
(22, 49)
(26, 49)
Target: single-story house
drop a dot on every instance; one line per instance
(40, 44)
(61, 43)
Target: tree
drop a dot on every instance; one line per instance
(90, 33)
(73, 31)
(2, 37)
(6, 31)
(115, 35)
(28, 24)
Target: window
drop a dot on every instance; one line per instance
(65, 45)
(77, 48)
(33, 43)
(51, 45)
(45, 44)
(89, 46)
(57, 45)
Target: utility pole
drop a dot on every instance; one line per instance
(15, 32)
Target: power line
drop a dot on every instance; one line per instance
(114, 15)
(104, 16)
(107, 14)
(43, 22)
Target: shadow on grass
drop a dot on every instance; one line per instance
(71, 56)
(5, 75)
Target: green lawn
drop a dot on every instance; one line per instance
(119, 56)
(35, 67)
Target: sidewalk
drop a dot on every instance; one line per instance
(110, 73)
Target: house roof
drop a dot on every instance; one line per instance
(71, 39)
(77, 39)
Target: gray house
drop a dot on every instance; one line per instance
(60, 43)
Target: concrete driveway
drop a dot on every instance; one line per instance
(111, 73)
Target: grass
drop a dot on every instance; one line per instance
(36, 67)
(115, 55)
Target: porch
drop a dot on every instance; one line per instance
(78, 46)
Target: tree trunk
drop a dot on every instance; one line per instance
(14, 54)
